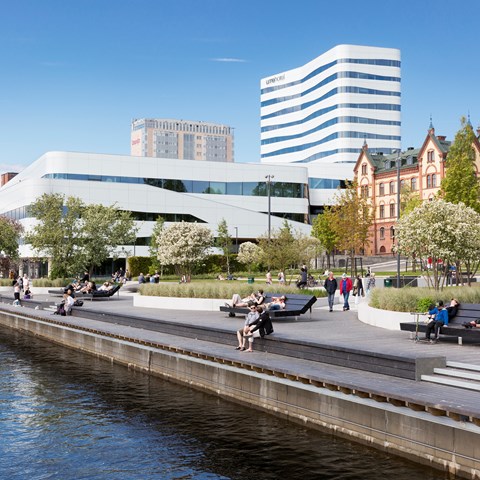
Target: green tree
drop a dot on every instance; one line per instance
(10, 231)
(323, 230)
(56, 234)
(352, 218)
(409, 200)
(224, 242)
(184, 245)
(460, 183)
(103, 229)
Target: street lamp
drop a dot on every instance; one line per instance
(236, 239)
(269, 182)
(398, 161)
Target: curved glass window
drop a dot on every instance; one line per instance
(331, 78)
(325, 183)
(322, 68)
(328, 138)
(331, 122)
(256, 189)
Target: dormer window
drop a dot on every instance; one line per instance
(409, 160)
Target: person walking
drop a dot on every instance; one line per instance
(370, 283)
(268, 279)
(358, 289)
(345, 289)
(330, 286)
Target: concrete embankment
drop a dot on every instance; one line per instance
(424, 423)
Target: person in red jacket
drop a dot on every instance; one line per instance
(345, 288)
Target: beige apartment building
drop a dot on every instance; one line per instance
(181, 139)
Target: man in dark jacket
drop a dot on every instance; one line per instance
(330, 286)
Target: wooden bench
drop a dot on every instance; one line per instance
(466, 313)
(89, 296)
(295, 305)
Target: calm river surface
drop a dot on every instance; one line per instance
(65, 415)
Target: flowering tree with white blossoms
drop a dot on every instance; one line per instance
(446, 233)
(183, 245)
(248, 254)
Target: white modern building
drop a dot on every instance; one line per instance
(324, 111)
(181, 140)
(192, 191)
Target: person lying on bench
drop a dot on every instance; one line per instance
(253, 299)
(106, 287)
(277, 303)
(452, 309)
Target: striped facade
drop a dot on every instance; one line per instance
(325, 110)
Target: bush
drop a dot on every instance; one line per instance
(418, 299)
(217, 289)
(139, 265)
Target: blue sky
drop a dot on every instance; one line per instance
(75, 72)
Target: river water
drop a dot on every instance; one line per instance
(66, 415)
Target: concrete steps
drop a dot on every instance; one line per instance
(456, 374)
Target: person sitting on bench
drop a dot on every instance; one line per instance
(253, 299)
(441, 319)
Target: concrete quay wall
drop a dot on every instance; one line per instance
(438, 441)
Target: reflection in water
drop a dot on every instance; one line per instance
(66, 415)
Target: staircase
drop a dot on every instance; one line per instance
(459, 375)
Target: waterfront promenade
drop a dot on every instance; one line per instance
(326, 369)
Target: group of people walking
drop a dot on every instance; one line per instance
(347, 287)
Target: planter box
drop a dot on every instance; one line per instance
(175, 303)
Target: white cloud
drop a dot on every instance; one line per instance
(228, 60)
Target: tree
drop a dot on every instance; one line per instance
(10, 231)
(287, 248)
(446, 233)
(460, 183)
(351, 220)
(224, 242)
(323, 230)
(102, 230)
(248, 254)
(75, 236)
(183, 245)
(409, 200)
(57, 232)
(153, 248)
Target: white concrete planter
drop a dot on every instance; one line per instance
(382, 318)
(175, 303)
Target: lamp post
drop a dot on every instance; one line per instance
(269, 182)
(236, 239)
(399, 161)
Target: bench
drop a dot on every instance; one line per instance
(466, 313)
(294, 306)
(90, 296)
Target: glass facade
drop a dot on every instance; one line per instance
(256, 189)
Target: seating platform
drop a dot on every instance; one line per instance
(295, 305)
(467, 312)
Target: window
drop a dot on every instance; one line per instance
(429, 181)
(402, 184)
(364, 191)
(392, 210)
(392, 232)
(382, 211)
(364, 169)
(392, 188)
(381, 189)
(413, 184)
(382, 233)
(434, 180)
(430, 156)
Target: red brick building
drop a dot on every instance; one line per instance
(421, 169)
